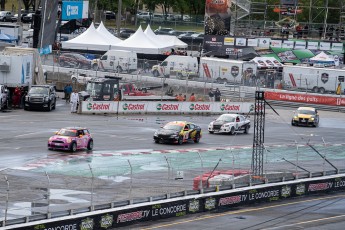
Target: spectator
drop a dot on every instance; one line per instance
(299, 30)
(68, 92)
(306, 31)
(217, 95)
(185, 97)
(180, 97)
(211, 95)
(16, 97)
(192, 97)
(74, 101)
(22, 99)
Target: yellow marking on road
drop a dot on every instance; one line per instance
(243, 211)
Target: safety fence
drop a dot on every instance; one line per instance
(72, 184)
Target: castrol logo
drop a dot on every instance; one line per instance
(171, 107)
(227, 107)
(197, 107)
(131, 106)
(94, 106)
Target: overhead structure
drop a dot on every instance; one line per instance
(91, 39)
(249, 17)
(107, 35)
(140, 43)
(155, 39)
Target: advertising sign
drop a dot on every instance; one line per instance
(96, 107)
(313, 45)
(241, 42)
(276, 43)
(305, 98)
(217, 25)
(179, 208)
(252, 42)
(197, 107)
(74, 10)
(300, 44)
(325, 46)
(337, 46)
(133, 107)
(288, 44)
(264, 42)
(165, 106)
(48, 25)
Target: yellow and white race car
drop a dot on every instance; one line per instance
(307, 116)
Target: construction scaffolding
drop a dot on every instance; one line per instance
(319, 19)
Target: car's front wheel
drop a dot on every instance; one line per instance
(197, 138)
(180, 140)
(73, 147)
(232, 130)
(211, 132)
(246, 129)
(90, 145)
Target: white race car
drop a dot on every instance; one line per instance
(229, 123)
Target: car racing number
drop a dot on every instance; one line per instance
(186, 135)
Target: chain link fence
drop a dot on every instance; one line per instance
(80, 182)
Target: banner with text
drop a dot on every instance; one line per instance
(305, 98)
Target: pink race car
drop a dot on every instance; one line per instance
(71, 139)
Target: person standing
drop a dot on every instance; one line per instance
(16, 97)
(68, 92)
(211, 95)
(74, 101)
(217, 95)
(192, 97)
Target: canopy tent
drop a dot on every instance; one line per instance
(267, 62)
(322, 58)
(140, 43)
(89, 40)
(7, 38)
(107, 35)
(151, 35)
(173, 40)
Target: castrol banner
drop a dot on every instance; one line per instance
(98, 107)
(305, 98)
(164, 107)
(232, 107)
(197, 107)
(132, 107)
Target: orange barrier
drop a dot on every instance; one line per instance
(305, 98)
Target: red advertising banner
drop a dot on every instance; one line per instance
(305, 98)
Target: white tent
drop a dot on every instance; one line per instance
(107, 35)
(173, 40)
(322, 57)
(153, 37)
(89, 40)
(267, 62)
(140, 43)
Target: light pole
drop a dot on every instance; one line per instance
(118, 18)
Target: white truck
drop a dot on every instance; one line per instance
(20, 67)
(318, 80)
(117, 61)
(181, 66)
(225, 70)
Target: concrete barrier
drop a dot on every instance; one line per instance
(187, 205)
(164, 107)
